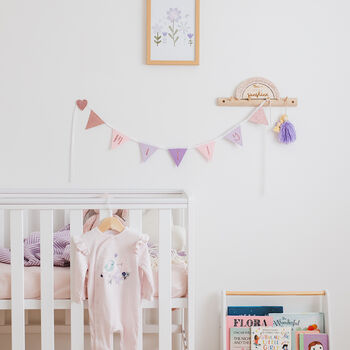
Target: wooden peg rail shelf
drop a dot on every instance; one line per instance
(280, 102)
(292, 293)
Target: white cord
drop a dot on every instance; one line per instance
(72, 141)
(264, 154)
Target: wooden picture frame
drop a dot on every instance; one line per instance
(173, 32)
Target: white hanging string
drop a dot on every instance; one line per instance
(285, 107)
(219, 137)
(72, 141)
(264, 154)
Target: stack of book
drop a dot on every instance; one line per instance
(269, 328)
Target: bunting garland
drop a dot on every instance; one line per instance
(235, 136)
(206, 149)
(177, 154)
(118, 139)
(94, 120)
(259, 117)
(81, 104)
(146, 151)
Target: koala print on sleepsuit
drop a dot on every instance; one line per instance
(113, 271)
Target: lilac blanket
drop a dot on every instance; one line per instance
(61, 249)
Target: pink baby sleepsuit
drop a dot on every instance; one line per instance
(119, 275)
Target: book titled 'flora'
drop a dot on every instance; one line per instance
(271, 338)
(246, 321)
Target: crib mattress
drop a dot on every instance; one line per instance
(62, 282)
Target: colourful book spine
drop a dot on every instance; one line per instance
(301, 342)
(298, 335)
(253, 310)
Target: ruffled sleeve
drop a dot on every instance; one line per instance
(145, 269)
(79, 265)
(80, 245)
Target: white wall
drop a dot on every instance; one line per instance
(296, 236)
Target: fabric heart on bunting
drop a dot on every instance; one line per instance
(259, 117)
(82, 104)
(177, 154)
(94, 120)
(235, 136)
(118, 139)
(146, 151)
(207, 150)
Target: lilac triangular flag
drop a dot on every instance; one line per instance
(259, 117)
(207, 150)
(177, 154)
(146, 151)
(235, 136)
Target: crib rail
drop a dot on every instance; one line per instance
(91, 199)
(74, 203)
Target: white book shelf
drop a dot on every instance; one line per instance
(292, 302)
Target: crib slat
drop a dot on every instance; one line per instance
(135, 219)
(17, 278)
(66, 217)
(165, 335)
(47, 280)
(135, 223)
(77, 310)
(2, 228)
(190, 268)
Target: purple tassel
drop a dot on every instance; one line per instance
(287, 133)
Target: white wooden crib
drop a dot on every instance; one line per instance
(15, 204)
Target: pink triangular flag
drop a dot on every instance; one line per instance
(82, 104)
(118, 139)
(146, 151)
(207, 150)
(94, 120)
(259, 117)
(177, 154)
(235, 136)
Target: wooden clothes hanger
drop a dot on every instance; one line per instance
(111, 223)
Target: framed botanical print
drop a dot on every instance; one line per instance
(173, 32)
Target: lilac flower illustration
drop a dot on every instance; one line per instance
(165, 35)
(157, 37)
(184, 28)
(190, 36)
(157, 28)
(174, 15)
